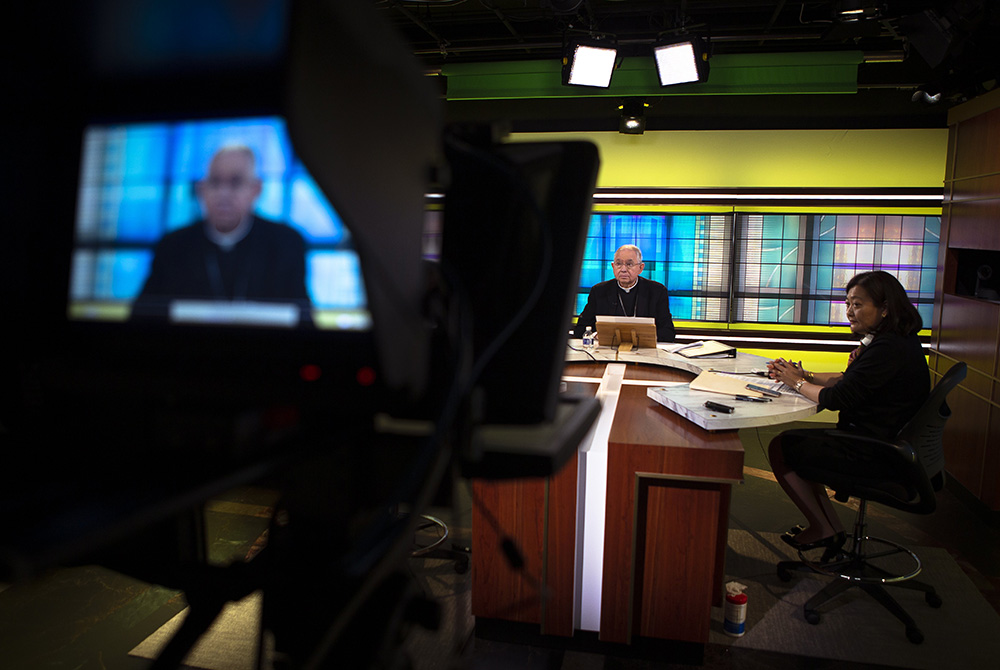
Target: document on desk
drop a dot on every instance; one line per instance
(709, 349)
(725, 384)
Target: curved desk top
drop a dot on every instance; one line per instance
(678, 396)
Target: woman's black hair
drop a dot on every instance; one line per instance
(901, 317)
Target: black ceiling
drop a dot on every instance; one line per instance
(947, 47)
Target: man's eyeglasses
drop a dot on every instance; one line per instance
(625, 264)
(232, 183)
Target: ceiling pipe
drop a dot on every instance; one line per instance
(441, 42)
(504, 21)
(621, 42)
(774, 18)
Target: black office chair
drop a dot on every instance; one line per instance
(872, 563)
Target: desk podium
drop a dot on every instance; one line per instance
(662, 526)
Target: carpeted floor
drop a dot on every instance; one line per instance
(91, 618)
(231, 643)
(964, 632)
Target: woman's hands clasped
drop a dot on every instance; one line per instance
(787, 372)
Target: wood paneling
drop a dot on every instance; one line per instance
(683, 448)
(632, 371)
(968, 329)
(560, 551)
(663, 573)
(980, 229)
(649, 441)
(675, 518)
(969, 333)
(539, 516)
(502, 510)
(991, 463)
(975, 146)
(976, 188)
(966, 439)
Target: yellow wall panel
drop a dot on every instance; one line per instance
(767, 158)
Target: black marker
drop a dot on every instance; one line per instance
(718, 407)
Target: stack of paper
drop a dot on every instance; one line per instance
(727, 384)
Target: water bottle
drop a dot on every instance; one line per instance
(588, 339)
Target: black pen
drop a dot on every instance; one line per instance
(751, 399)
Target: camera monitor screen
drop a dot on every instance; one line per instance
(210, 222)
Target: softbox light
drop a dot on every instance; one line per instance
(589, 64)
(681, 62)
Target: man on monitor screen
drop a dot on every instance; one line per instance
(628, 294)
(230, 257)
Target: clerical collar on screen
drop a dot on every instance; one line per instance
(629, 288)
(229, 240)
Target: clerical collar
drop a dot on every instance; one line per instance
(630, 287)
(229, 240)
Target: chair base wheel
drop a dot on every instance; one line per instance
(812, 617)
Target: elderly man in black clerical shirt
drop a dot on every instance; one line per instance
(628, 294)
(231, 255)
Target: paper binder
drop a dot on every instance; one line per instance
(709, 348)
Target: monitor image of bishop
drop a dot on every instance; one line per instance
(231, 254)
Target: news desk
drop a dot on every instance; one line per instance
(629, 537)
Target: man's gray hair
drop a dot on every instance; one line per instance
(238, 148)
(633, 248)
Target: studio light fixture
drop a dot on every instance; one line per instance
(633, 118)
(856, 10)
(589, 63)
(681, 61)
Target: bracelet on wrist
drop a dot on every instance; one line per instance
(798, 385)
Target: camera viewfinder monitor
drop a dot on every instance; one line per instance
(207, 264)
(208, 222)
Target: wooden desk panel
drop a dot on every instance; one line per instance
(666, 522)
(499, 591)
(685, 449)
(674, 585)
(633, 371)
(539, 516)
(559, 579)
